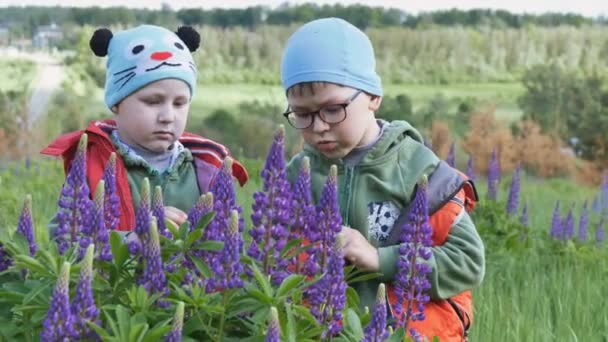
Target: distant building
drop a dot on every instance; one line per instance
(47, 36)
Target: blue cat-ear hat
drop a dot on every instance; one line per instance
(145, 54)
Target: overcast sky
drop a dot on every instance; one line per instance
(591, 8)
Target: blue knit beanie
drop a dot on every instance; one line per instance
(330, 50)
(145, 54)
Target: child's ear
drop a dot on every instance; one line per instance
(375, 102)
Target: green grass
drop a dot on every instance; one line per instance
(228, 96)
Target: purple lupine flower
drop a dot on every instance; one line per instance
(411, 283)
(600, 233)
(28, 163)
(274, 327)
(153, 278)
(25, 226)
(228, 275)
(95, 232)
(111, 200)
(513, 200)
(583, 224)
(556, 223)
(328, 296)
(175, 335)
(329, 221)
(59, 324)
(471, 168)
(5, 259)
(568, 226)
(203, 205)
(595, 205)
(74, 202)
(271, 212)
(224, 198)
(524, 216)
(604, 192)
(376, 329)
(142, 219)
(493, 176)
(158, 210)
(83, 306)
(451, 158)
(303, 213)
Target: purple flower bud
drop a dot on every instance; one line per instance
(158, 210)
(5, 259)
(583, 223)
(142, 217)
(471, 168)
(153, 277)
(451, 158)
(595, 206)
(25, 226)
(376, 329)
(111, 199)
(272, 211)
(95, 232)
(556, 223)
(274, 327)
(513, 201)
(412, 284)
(493, 176)
(178, 323)
(600, 233)
(568, 226)
(83, 306)
(202, 207)
(74, 202)
(59, 324)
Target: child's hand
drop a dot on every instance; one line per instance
(359, 251)
(175, 215)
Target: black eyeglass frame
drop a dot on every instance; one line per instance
(345, 104)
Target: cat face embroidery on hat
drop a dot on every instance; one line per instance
(145, 54)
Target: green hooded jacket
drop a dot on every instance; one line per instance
(372, 194)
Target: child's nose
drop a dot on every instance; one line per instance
(161, 56)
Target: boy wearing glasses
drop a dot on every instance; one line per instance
(333, 91)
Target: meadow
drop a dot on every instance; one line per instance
(535, 289)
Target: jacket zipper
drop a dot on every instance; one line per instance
(349, 175)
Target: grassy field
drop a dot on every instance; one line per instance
(227, 96)
(16, 74)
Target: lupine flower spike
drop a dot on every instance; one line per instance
(471, 168)
(568, 226)
(556, 223)
(412, 284)
(583, 224)
(25, 226)
(83, 306)
(203, 205)
(493, 176)
(153, 278)
(95, 232)
(271, 212)
(513, 200)
(111, 199)
(524, 216)
(142, 219)
(178, 324)
(600, 233)
(376, 330)
(59, 322)
(158, 210)
(451, 158)
(74, 202)
(274, 328)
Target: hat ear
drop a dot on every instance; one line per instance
(189, 36)
(100, 41)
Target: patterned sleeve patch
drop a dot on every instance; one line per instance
(381, 218)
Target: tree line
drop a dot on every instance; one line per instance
(24, 20)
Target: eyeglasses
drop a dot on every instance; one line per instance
(331, 114)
